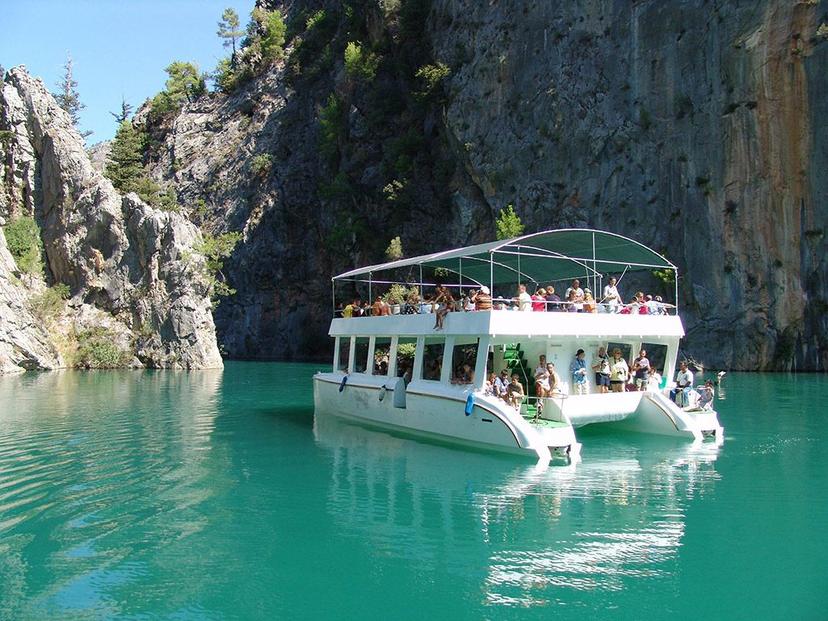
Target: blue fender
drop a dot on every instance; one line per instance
(469, 405)
(342, 385)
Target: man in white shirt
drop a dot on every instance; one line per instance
(684, 379)
(611, 296)
(523, 299)
(576, 287)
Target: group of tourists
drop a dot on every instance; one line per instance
(685, 395)
(545, 299)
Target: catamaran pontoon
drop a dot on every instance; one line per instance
(396, 371)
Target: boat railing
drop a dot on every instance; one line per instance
(508, 305)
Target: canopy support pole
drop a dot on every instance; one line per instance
(370, 299)
(333, 297)
(491, 274)
(675, 282)
(422, 293)
(460, 273)
(594, 277)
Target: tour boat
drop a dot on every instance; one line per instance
(395, 370)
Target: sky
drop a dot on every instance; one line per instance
(119, 48)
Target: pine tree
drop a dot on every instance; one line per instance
(508, 223)
(228, 29)
(123, 115)
(125, 167)
(68, 98)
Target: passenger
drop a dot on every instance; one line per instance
(642, 303)
(652, 306)
(572, 303)
(366, 308)
(554, 379)
(589, 302)
(501, 384)
(553, 301)
(463, 375)
(541, 368)
(482, 299)
(611, 298)
(543, 388)
(468, 302)
(523, 300)
(578, 370)
(576, 287)
(706, 393)
(444, 303)
(515, 392)
(539, 300)
(654, 385)
(641, 370)
(601, 366)
(684, 381)
(348, 311)
(661, 308)
(488, 385)
(339, 310)
(619, 371)
(412, 302)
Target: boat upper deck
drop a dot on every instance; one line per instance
(508, 322)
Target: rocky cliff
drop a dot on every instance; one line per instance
(135, 286)
(694, 127)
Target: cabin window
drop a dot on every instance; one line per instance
(406, 348)
(361, 354)
(344, 353)
(626, 350)
(656, 354)
(433, 359)
(463, 361)
(382, 353)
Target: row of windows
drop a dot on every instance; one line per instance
(463, 358)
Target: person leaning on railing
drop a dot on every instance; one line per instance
(482, 299)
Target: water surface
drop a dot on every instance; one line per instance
(218, 495)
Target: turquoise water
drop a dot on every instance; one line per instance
(217, 495)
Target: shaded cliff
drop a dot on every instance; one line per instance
(134, 283)
(694, 127)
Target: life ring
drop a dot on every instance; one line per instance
(382, 392)
(470, 404)
(342, 384)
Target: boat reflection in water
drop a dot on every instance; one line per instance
(534, 534)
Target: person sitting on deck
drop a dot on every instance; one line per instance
(641, 370)
(348, 311)
(539, 300)
(523, 299)
(572, 303)
(578, 370)
(488, 385)
(501, 384)
(515, 393)
(576, 287)
(611, 297)
(412, 302)
(553, 300)
(543, 387)
(444, 303)
(619, 371)
(376, 309)
(482, 299)
(589, 302)
(706, 395)
(684, 381)
(541, 368)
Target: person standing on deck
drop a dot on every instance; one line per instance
(578, 370)
(482, 299)
(619, 371)
(601, 366)
(684, 379)
(553, 301)
(523, 299)
(446, 304)
(611, 298)
(641, 370)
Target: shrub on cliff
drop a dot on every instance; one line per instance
(360, 63)
(98, 348)
(184, 84)
(23, 240)
(215, 249)
(508, 224)
(48, 306)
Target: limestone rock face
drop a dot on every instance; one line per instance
(24, 344)
(118, 256)
(695, 127)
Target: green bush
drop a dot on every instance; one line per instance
(273, 40)
(98, 349)
(48, 306)
(508, 223)
(431, 78)
(215, 249)
(261, 164)
(360, 64)
(23, 239)
(331, 126)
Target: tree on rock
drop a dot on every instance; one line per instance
(228, 29)
(68, 98)
(123, 115)
(508, 223)
(125, 167)
(185, 84)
